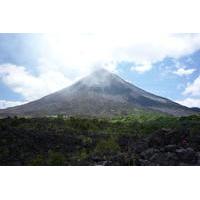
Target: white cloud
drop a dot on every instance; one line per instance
(142, 68)
(82, 52)
(184, 72)
(190, 102)
(6, 104)
(193, 88)
(29, 86)
(65, 58)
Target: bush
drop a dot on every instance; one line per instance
(56, 159)
(108, 146)
(39, 160)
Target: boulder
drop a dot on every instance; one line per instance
(149, 153)
(187, 155)
(140, 146)
(143, 162)
(170, 147)
(198, 158)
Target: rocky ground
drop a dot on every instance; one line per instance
(165, 148)
(37, 142)
(168, 147)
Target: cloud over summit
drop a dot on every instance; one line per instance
(64, 58)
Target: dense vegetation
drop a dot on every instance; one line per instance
(142, 139)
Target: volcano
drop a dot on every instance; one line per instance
(100, 94)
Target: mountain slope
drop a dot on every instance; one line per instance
(100, 94)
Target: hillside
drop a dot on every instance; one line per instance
(100, 94)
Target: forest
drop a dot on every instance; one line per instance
(146, 139)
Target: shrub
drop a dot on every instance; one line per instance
(39, 160)
(56, 158)
(109, 146)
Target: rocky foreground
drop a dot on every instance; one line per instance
(168, 147)
(165, 147)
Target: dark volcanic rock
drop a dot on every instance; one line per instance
(149, 153)
(198, 158)
(187, 155)
(141, 146)
(169, 147)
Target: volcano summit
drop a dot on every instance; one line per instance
(100, 94)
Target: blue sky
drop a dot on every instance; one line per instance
(34, 65)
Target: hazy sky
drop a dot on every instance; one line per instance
(34, 65)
